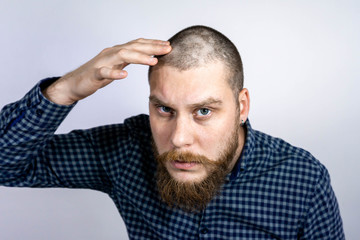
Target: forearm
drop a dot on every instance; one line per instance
(25, 127)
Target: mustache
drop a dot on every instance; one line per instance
(186, 157)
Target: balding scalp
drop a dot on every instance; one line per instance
(197, 46)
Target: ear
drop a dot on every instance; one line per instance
(244, 103)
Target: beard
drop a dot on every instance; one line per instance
(193, 196)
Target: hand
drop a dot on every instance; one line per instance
(106, 67)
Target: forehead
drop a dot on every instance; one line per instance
(171, 85)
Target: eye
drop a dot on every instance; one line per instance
(203, 112)
(164, 109)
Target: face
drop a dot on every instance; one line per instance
(193, 112)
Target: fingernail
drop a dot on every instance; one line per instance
(167, 48)
(153, 60)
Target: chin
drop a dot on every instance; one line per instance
(187, 177)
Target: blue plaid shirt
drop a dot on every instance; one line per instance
(276, 191)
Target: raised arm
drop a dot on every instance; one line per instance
(32, 156)
(106, 67)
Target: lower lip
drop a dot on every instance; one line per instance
(183, 165)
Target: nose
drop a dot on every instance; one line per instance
(182, 135)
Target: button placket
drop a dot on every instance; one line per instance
(203, 229)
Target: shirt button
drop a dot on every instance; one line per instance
(204, 231)
(39, 112)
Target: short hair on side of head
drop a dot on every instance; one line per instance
(198, 45)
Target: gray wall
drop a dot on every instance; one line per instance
(301, 61)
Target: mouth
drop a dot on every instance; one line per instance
(181, 165)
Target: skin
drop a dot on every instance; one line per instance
(194, 111)
(189, 126)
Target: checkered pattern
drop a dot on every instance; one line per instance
(276, 191)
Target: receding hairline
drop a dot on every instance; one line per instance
(214, 62)
(198, 46)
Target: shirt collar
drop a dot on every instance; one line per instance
(242, 162)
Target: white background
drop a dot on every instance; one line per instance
(301, 61)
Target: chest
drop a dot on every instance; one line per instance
(254, 209)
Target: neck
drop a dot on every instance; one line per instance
(241, 140)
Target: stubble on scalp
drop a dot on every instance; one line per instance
(197, 46)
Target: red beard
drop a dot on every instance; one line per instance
(194, 196)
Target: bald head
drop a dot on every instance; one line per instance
(197, 46)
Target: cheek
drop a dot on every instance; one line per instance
(214, 140)
(161, 134)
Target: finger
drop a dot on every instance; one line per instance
(151, 41)
(108, 73)
(145, 41)
(132, 57)
(149, 48)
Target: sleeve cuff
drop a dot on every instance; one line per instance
(39, 110)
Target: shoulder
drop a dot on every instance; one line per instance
(134, 131)
(136, 126)
(139, 124)
(290, 161)
(299, 180)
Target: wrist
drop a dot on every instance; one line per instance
(58, 92)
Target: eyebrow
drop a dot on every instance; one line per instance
(156, 100)
(206, 102)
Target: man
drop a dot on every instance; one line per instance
(194, 168)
